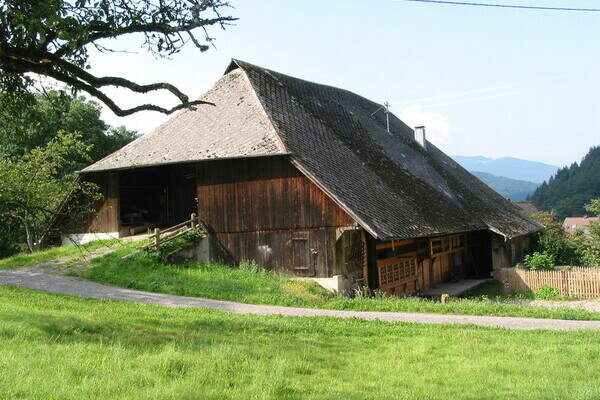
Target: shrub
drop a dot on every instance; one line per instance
(564, 251)
(547, 292)
(539, 261)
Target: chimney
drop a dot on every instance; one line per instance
(420, 136)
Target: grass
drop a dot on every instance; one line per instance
(251, 285)
(491, 289)
(72, 252)
(61, 347)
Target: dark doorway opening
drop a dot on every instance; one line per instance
(156, 197)
(478, 260)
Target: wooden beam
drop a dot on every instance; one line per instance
(394, 243)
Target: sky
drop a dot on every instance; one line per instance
(484, 81)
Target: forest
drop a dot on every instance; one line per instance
(567, 192)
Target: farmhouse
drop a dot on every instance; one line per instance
(312, 181)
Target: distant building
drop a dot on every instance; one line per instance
(572, 224)
(526, 207)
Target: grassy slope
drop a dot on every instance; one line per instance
(72, 252)
(226, 283)
(69, 348)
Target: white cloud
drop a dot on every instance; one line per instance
(436, 124)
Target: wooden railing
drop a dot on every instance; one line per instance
(161, 236)
(580, 282)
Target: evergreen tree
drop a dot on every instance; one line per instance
(567, 192)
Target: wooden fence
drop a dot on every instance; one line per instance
(161, 236)
(579, 282)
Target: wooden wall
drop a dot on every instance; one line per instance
(105, 217)
(265, 209)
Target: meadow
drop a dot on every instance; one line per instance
(63, 347)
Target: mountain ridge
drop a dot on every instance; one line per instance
(511, 189)
(509, 167)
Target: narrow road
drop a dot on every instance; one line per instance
(35, 279)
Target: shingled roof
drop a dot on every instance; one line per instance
(390, 184)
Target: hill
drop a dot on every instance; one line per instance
(512, 189)
(571, 188)
(509, 167)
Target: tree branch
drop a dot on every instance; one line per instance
(48, 64)
(52, 38)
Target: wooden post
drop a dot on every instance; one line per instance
(193, 218)
(157, 238)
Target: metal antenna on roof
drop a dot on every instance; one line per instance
(386, 109)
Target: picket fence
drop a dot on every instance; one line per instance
(579, 282)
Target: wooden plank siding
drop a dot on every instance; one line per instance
(265, 209)
(104, 216)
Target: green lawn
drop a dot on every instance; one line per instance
(63, 347)
(260, 287)
(72, 252)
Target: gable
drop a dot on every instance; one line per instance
(235, 126)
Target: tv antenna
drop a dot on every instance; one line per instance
(386, 109)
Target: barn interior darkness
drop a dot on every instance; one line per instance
(156, 196)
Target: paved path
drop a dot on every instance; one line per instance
(35, 279)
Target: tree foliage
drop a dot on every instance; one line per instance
(33, 186)
(26, 128)
(35, 135)
(51, 38)
(579, 249)
(567, 192)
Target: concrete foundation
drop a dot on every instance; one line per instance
(83, 238)
(199, 251)
(333, 284)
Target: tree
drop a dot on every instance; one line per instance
(51, 38)
(567, 192)
(32, 186)
(25, 128)
(591, 241)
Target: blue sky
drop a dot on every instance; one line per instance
(485, 81)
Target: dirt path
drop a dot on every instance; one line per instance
(34, 278)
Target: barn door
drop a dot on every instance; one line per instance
(302, 260)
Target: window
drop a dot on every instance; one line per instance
(390, 275)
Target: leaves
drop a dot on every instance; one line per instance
(33, 187)
(51, 38)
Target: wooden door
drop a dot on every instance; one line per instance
(301, 254)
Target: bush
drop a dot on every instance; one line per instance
(547, 292)
(564, 251)
(539, 261)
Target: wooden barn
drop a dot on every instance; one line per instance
(309, 180)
